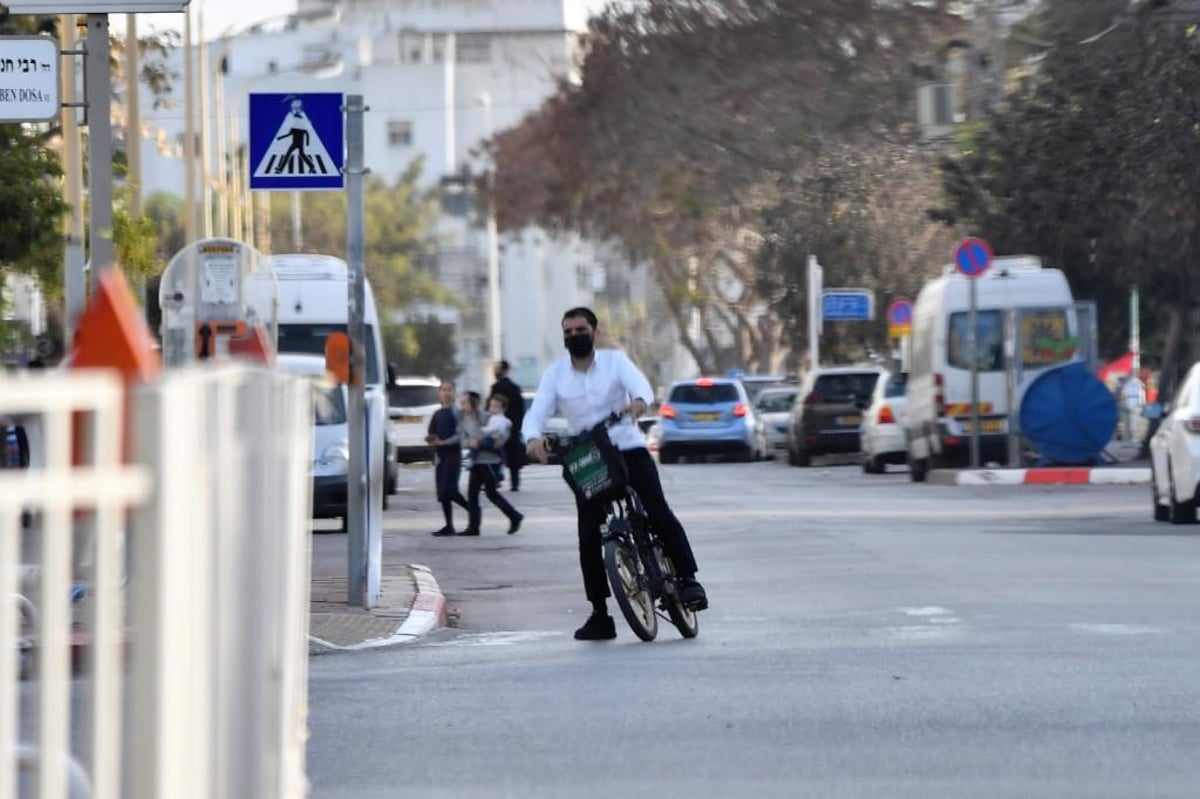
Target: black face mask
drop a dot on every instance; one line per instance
(578, 344)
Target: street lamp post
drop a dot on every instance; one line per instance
(493, 243)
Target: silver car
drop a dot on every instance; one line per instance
(773, 407)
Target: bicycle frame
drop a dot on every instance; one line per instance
(626, 521)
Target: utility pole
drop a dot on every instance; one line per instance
(206, 225)
(74, 257)
(100, 146)
(133, 116)
(189, 133)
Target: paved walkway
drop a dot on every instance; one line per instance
(411, 605)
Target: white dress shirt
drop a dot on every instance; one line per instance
(585, 398)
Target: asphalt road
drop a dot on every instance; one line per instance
(867, 638)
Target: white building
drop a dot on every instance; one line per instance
(439, 77)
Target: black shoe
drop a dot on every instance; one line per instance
(691, 593)
(443, 531)
(470, 531)
(514, 524)
(597, 628)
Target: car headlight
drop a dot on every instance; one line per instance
(335, 454)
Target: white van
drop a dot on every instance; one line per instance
(314, 302)
(937, 418)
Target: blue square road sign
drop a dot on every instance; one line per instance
(297, 141)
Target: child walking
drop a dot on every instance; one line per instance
(447, 456)
(487, 444)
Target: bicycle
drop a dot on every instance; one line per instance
(643, 578)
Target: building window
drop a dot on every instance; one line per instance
(473, 48)
(399, 133)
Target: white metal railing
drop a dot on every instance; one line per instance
(195, 564)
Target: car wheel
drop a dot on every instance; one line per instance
(872, 465)
(792, 459)
(1179, 512)
(803, 458)
(918, 470)
(1161, 512)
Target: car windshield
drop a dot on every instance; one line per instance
(309, 339)
(695, 394)
(853, 385)
(412, 396)
(328, 405)
(776, 403)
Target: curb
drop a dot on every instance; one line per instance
(426, 614)
(1043, 476)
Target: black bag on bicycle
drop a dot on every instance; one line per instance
(594, 468)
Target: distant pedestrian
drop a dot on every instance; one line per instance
(444, 436)
(1133, 400)
(515, 449)
(487, 445)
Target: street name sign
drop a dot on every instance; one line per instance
(297, 141)
(847, 305)
(28, 78)
(95, 6)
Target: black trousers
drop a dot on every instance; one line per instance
(483, 476)
(643, 476)
(514, 457)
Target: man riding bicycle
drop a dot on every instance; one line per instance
(586, 386)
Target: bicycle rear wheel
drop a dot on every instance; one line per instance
(684, 618)
(630, 587)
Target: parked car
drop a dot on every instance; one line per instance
(882, 430)
(412, 402)
(828, 411)
(756, 384)
(772, 410)
(331, 436)
(1175, 455)
(707, 416)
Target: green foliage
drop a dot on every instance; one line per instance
(398, 222)
(31, 205)
(423, 346)
(1092, 166)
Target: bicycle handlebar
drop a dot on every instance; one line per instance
(559, 444)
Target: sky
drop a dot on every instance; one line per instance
(219, 15)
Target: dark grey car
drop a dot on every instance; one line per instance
(828, 412)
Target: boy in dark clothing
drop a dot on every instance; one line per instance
(447, 455)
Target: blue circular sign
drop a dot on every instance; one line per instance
(899, 312)
(972, 257)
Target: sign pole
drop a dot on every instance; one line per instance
(357, 496)
(100, 146)
(972, 342)
(814, 312)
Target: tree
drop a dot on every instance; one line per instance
(422, 346)
(690, 119)
(1091, 164)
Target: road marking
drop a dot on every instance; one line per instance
(502, 638)
(1118, 629)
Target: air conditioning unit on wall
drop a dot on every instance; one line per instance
(936, 104)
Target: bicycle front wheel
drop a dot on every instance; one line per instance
(630, 587)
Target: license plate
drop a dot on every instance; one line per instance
(706, 417)
(849, 420)
(985, 426)
(408, 419)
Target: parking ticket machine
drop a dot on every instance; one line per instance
(219, 300)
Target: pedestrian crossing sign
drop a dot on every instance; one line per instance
(296, 141)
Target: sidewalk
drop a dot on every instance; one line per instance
(411, 605)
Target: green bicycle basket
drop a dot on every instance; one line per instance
(593, 467)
